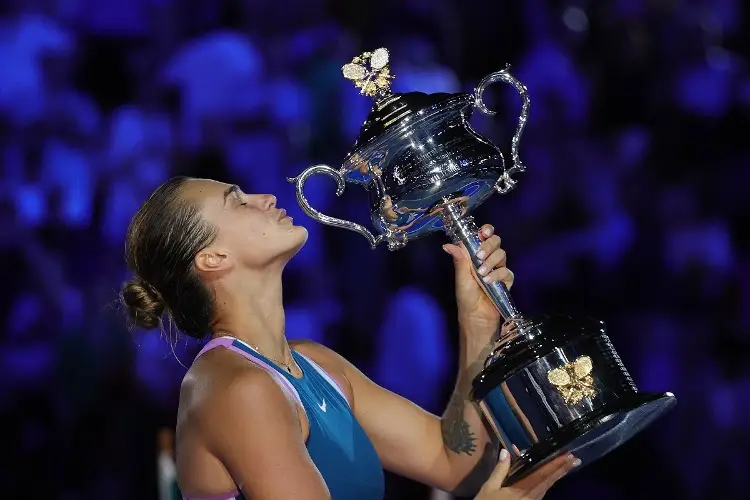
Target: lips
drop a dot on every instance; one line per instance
(283, 215)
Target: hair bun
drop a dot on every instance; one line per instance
(144, 304)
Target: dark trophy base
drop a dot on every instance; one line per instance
(556, 385)
(595, 435)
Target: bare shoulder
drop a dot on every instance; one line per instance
(219, 396)
(248, 431)
(220, 381)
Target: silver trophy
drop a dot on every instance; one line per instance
(552, 384)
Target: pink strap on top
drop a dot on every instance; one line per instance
(228, 343)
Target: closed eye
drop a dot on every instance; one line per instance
(241, 200)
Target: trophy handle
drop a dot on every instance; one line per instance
(338, 175)
(506, 182)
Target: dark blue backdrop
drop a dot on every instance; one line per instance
(631, 210)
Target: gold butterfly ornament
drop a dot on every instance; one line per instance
(370, 72)
(573, 380)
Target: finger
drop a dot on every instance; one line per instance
(543, 474)
(495, 260)
(461, 259)
(501, 274)
(488, 246)
(486, 231)
(496, 479)
(541, 489)
(542, 479)
(454, 251)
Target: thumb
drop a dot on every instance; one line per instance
(496, 479)
(460, 257)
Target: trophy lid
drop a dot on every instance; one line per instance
(392, 111)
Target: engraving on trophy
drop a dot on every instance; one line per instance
(573, 380)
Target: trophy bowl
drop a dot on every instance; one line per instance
(551, 384)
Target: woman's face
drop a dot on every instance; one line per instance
(252, 231)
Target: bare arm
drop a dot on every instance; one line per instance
(472, 448)
(253, 428)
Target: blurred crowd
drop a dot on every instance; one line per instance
(631, 210)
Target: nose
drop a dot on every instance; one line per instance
(268, 201)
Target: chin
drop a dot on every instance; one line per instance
(298, 238)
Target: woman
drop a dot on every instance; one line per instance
(261, 418)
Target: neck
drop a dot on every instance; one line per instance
(253, 311)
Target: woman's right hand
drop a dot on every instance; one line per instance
(532, 487)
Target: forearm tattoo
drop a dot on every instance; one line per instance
(457, 434)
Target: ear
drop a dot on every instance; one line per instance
(212, 260)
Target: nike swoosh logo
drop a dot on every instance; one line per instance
(322, 406)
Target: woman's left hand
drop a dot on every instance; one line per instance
(475, 310)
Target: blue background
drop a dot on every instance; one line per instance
(632, 210)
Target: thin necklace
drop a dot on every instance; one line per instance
(285, 365)
(255, 348)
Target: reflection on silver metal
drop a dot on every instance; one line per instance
(527, 408)
(550, 384)
(427, 169)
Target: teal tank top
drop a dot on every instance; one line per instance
(337, 444)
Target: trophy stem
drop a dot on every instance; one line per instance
(461, 228)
